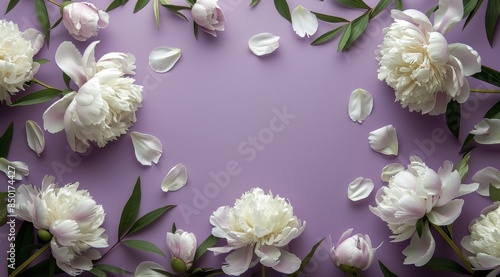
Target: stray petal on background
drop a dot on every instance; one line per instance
(384, 140)
(390, 170)
(304, 22)
(263, 43)
(176, 178)
(35, 137)
(487, 131)
(360, 105)
(162, 59)
(360, 188)
(147, 148)
(15, 170)
(485, 177)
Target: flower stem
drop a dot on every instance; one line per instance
(454, 247)
(484, 90)
(263, 271)
(54, 2)
(29, 260)
(42, 83)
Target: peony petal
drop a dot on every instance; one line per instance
(162, 59)
(238, 261)
(487, 131)
(14, 169)
(360, 105)
(263, 43)
(35, 137)
(390, 170)
(384, 140)
(66, 232)
(148, 148)
(438, 48)
(288, 263)
(449, 13)
(53, 117)
(176, 178)
(470, 59)
(269, 255)
(69, 59)
(35, 37)
(446, 214)
(304, 22)
(421, 249)
(360, 188)
(144, 269)
(485, 177)
(88, 60)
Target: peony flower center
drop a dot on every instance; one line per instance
(485, 233)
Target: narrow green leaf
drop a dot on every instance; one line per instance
(97, 272)
(175, 9)
(473, 13)
(38, 97)
(463, 165)
(329, 18)
(469, 5)
(431, 11)
(345, 37)
(398, 4)
(191, 2)
(41, 61)
(5, 140)
(165, 273)
(254, 3)
(149, 218)
(3, 208)
(453, 117)
(43, 18)
(491, 19)
(449, 230)
(144, 246)
(39, 270)
(130, 210)
(195, 30)
(307, 259)
(174, 228)
(467, 141)
(420, 226)
(140, 5)
(357, 4)
(207, 243)
(52, 266)
(205, 272)
(382, 4)
(12, 4)
(385, 270)
(115, 4)
(112, 269)
(443, 264)
(327, 36)
(283, 9)
(56, 23)
(494, 193)
(24, 238)
(358, 27)
(67, 81)
(156, 11)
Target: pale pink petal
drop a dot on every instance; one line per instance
(391, 170)
(66, 232)
(384, 140)
(467, 188)
(89, 104)
(411, 209)
(69, 59)
(304, 22)
(485, 177)
(438, 48)
(487, 131)
(35, 37)
(449, 13)
(148, 148)
(421, 249)
(288, 263)
(360, 188)
(450, 188)
(14, 169)
(144, 269)
(53, 117)
(269, 255)
(446, 214)
(263, 43)
(470, 59)
(238, 261)
(360, 105)
(162, 59)
(88, 60)
(176, 178)
(487, 261)
(35, 137)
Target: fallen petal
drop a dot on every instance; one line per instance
(176, 178)
(487, 131)
(360, 188)
(35, 137)
(360, 105)
(384, 140)
(15, 170)
(485, 177)
(162, 59)
(304, 22)
(263, 43)
(390, 170)
(147, 148)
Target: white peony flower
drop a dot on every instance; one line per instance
(353, 253)
(418, 63)
(182, 247)
(482, 243)
(258, 228)
(419, 193)
(83, 20)
(104, 107)
(70, 216)
(16, 58)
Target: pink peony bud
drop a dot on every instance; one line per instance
(209, 16)
(83, 20)
(353, 253)
(182, 247)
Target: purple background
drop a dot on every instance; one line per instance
(219, 94)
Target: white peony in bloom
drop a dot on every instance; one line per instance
(482, 243)
(182, 247)
(104, 107)
(419, 193)
(70, 216)
(257, 228)
(418, 63)
(16, 58)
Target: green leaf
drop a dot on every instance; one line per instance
(195, 30)
(345, 37)
(468, 139)
(207, 243)
(5, 140)
(67, 81)
(205, 272)
(115, 4)
(38, 97)
(140, 5)
(191, 2)
(398, 5)
(469, 5)
(52, 266)
(112, 269)
(385, 270)
(283, 9)
(463, 165)
(357, 4)
(174, 228)
(12, 4)
(149, 218)
(382, 4)
(130, 210)
(156, 11)
(329, 18)
(144, 246)
(494, 193)
(3, 208)
(307, 259)
(39, 270)
(56, 23)
(97, 272)
(24, 238)
(442, 264)
(420, 226)
(453, 117)
(166, 273)
(41, 61)
(473, 13)
(431, 11)
(327, 36)
(175, 9)
(358, 27)
(254, 3)
(43, 18)
(491, 19)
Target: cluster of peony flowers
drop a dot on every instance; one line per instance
(209, 16)
(420, 194)
(83, 20)
(16, 58)
(415, 59)
(104, 106)
(69, 218)
(257, 228)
